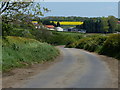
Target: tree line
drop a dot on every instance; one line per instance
(62, 18)
(91, 25)
(100, 25)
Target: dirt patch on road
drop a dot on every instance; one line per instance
(20, 74)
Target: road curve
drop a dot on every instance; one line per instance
(77, 69)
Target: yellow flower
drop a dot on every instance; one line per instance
(69, 23)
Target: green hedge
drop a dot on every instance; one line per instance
(111, 47)
(103, 44)
(63, 38)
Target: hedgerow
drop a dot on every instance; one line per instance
(103, 44)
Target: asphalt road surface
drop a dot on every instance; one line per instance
(76, 69)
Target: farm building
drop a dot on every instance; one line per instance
(118, 22)
(50, 27)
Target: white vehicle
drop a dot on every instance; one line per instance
(59, 29)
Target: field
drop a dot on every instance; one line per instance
(69, 23)
(20, 52)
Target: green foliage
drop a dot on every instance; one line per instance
(89, 25)
(46, 22)
(63, 38)
(112, 21)
(103, 44)
(6, 29)
(99, 25)
(90, 43)
(104, 25)
(117, 28)
(30, 8)
(20, 52)
(60, 18)
(41, 35)
(58, 24)
(111, 47)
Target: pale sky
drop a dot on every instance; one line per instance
(83, 9)
(77, 0)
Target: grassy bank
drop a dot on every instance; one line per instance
(103, 44)
(20, 52)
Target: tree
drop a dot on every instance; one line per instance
(118, 28)
(97, 25)
(104, 25)
(19, 8)
(46, 22)
(7, 6)
(112, 22)
(18, 12)
(58, 24)
(89, 25)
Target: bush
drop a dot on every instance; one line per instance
(89, 43)
(103, 44)
(118, 28)
(41, 34)
(63, 38)
(6, 29)
(111, 47)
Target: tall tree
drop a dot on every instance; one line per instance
(97, 25)
(112, 21)
(11, 8)
(58, 24)
(7, 6)
(104, 25)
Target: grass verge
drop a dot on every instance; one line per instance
(20, 52)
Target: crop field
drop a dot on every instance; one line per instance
(69, 23)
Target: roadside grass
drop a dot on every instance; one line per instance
(20, 52)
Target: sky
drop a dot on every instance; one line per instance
(82, 9)
(77, 0)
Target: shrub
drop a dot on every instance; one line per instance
(111, 47)
(89, 43)
(103, 44)
(64, 38)
(6, 29)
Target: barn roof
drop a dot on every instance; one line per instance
(49, 26)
